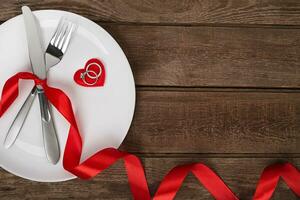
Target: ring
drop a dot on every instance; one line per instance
(94, 74)
(82, 76)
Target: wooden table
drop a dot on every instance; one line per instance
(218, 81)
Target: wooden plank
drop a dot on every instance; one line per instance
(170, 11)
(211, 56)
(241, 175)
(215, 122)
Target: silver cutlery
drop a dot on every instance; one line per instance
(59, 42)
(40, 63)
(38, 66)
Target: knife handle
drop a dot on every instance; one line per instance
(19, 120)
(49, 133)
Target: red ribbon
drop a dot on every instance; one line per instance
(135, 172)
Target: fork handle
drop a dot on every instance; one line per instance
(19, 120)
(51, 144)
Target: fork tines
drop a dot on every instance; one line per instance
(62, 36)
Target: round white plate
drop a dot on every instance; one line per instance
(104, 114)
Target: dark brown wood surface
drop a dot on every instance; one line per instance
(215, 122)
(211, 56)
(190, 12)
(218, 81)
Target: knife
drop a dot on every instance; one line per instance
(37, 58)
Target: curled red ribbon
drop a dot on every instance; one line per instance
(135, 172)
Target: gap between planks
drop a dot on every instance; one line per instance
(217, 155)
(217, 25)
(216, 89)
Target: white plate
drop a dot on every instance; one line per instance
(103, 114)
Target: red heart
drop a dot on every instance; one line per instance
(92, 65)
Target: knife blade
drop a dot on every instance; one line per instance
(36, 52)
(37, 59)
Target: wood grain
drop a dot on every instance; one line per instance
(241, 175)
(218, 82)
(211, 56)
(170, 11)
(215, 122)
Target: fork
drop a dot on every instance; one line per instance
(55, 51)
(59, 42)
